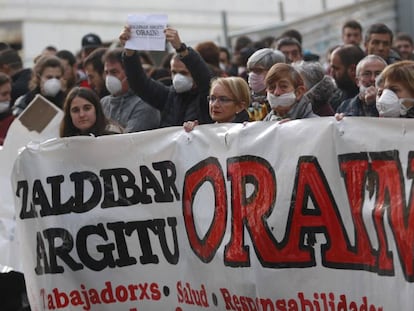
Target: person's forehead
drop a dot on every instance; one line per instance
(223, 55)
(372, 64)
(177, 64)
(80, 101)
(402, 42)
(112, 65)
(380, 37)
(257, 67)
(64, 62)
(90, 69)
(282, 80)
(288, 47)
(390, 83)
(219, 89)
(52, 70)
(336, 59)
(6, 85)
(350, 30)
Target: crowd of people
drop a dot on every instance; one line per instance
(193, 85)
(105, 90)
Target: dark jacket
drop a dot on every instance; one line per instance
(410, 113)
(354, 107)
(241, 117)
(175, 108)
(23, 101)
(393, 57)
(340, 95)
(319, 96)
(6, 119)
(20, 84)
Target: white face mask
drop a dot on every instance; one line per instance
(51, 87)
(403, 108)
(388, 105)
(256, 82)
(182, 83)
(4, 106)
(284, 100)
(113, 85)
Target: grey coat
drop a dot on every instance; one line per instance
(131, 112)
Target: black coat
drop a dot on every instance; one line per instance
(175, 108)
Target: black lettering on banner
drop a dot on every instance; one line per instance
(125, 180)
(113, 251)
(79, 180)
(39, 197)
(168, 177)
(157, 226)
(42, 262)
(124, 259)
(117, 188)
(61, 250)
(59, 208)
(23, 192)
(107, 249)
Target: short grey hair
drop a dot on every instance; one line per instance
(311, 73)
(266, 58)
(369, 58)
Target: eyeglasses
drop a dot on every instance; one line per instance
(220, 99)
(257, 70)
(369, 74)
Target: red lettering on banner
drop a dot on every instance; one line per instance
(324, 218)
(208, 170)
(253, 192)
(354, 170)
(250, 211)
(391, 197)
(388, 173)
(89, 298)
(186, 294)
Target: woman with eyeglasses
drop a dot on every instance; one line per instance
(229, 97)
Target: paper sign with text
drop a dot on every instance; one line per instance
(147, 32)
(306, 215)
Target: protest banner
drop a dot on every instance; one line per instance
(147, 32)
(306, 215)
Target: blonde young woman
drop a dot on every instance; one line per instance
(229, 97)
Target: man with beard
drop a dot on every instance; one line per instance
(343, 69)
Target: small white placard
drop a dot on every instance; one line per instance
(147, 32)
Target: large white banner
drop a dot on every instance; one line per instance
(309, 215)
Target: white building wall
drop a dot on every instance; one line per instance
(62, 23)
